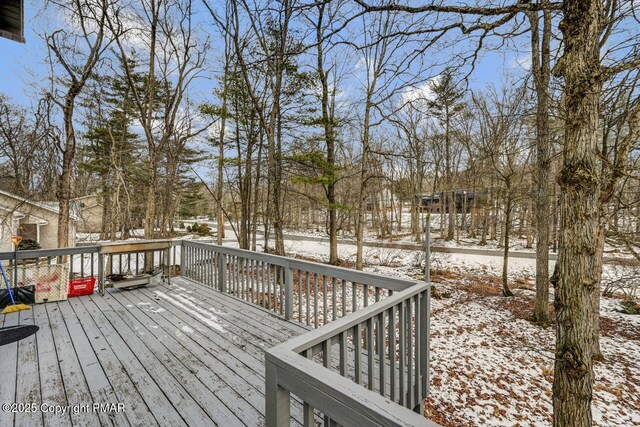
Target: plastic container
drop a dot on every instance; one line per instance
(83, 286)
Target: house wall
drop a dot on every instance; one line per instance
(5, 234)
(33, 214)
(90, 211)
(91, 220)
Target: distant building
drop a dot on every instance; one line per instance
(34, 220)
(435, 202)
(91, 211)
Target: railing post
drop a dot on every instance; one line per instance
(183, 268)
(426, 310)
(222, 272)
(101, 273)
(288, 292)
(425, 298)
(277, 399)
(427, 249)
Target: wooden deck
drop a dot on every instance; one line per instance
(179, 354)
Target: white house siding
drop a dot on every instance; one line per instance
(15, 211)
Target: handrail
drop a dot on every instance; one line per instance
(394, 376)
(310, 339)
(88, 261)
(44, 253)
(349, 367)
(308, 292)
(391, 283)
(348, 403)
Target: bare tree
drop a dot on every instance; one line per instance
(501, 128)
(379, 86)
(586, 26)
(77, 53)
(273, 48)
(28, 160)
(324, 19)
(541, 71)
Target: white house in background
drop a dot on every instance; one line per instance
(35, 220)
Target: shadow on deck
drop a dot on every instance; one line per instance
(178, 354)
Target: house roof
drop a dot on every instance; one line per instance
(49, 206)
(42, 221)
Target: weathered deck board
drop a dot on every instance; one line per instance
(160, 406)
(182, 354)
(203, 366)
(74, 382)
(28, 379)
(97, 381)
(174, 359)
(51, 383)
(242, 369)
(201, 296)
(124, 388)
(8, 370)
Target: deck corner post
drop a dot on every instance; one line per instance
(222, 272)
(277, 398)
(288, 288)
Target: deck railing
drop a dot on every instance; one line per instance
(96, 260)
(309, 292)
(357, 370)
(365, 360)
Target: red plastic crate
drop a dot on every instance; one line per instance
(83, 286)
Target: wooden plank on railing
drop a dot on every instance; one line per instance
(42, 253)
(138, 246)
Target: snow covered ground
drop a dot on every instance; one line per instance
(490, 366)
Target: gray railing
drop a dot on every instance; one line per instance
(366, 362)
(357, 370)
(97, 260)
(309, 292)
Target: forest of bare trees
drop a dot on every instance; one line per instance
(340, 118)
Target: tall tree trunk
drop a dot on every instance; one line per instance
(106, 208)
(149, 216)
(223, 121)
(150, 206)
(505, 252)
(449, 179)
(64, 192)
(256, 192)
(364, 178)
(577, 273)
(541, 68)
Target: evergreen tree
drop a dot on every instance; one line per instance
(445, 106)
